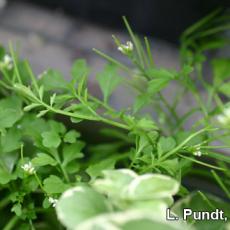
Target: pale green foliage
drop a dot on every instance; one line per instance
(78, 204)
(127, 195)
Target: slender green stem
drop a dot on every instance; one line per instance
(170, 109)
(144, 56)
(39, 181)
(142, 69)
(5, 201)
(200, 76)
(221, 184)
(182, 144)
(184, 118)
(5, 85)
(31, 224)
(211, 93)
(32, 77)
(11, 224)
(112, 60)
(57, 157)
(15, 63)
(202, 163)
(219, 101)
(205, 198)
(134, 40)
(87, 106)
(148, 49)
(6, 76)
(21, 152)
(105, 120)
(84, 117)
(199, 101)
(103, 104)
(178, 98)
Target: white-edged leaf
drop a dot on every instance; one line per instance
(114, 181)
(152, 186)
(79, 204)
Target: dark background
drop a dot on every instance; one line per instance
(165, 19)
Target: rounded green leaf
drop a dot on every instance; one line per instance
(114, 181)
(79, 204)
(10, 111)
(43, 159)
(51, 139)
(54, 184)
(71, 136)
(152, 186)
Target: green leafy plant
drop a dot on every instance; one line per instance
(128, 182)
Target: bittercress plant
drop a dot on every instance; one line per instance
(51, 176)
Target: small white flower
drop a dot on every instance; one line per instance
(227, 112)
(28, 167)
(126, 49)
(197, 153)
(53, 201)
(8, 62)
(224, 118)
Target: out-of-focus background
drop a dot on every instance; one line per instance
(52, 33)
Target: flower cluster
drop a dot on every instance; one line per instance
(197, 152)
(7, 62)
(53, 201)
(126, 49)
(28, 168)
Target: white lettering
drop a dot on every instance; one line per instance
(187, 212)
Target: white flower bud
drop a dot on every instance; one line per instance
(197, 152)
(224, 118)
(8, 61)
(53, 201)
(126, 49)
(28, 168)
